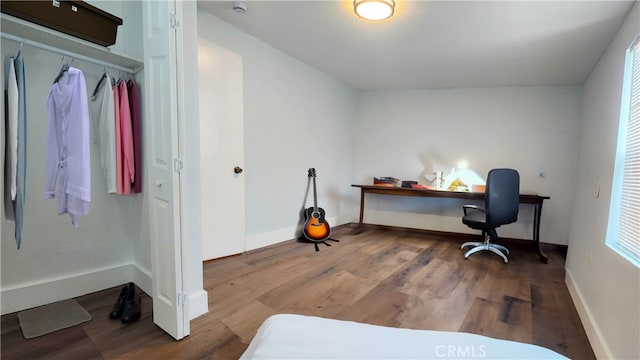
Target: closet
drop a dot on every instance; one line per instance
(123, 238)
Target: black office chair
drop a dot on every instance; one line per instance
(502, 200)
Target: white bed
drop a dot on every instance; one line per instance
(287, 336)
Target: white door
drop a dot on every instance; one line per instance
(221, 150)
(161, 146)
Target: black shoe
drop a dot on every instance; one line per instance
(118, 307)
(131, 311)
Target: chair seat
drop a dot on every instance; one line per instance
(475, 220)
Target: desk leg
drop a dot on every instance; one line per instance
(536, 232)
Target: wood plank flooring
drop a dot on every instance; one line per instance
(378, 275)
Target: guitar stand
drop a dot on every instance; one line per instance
(324, 242)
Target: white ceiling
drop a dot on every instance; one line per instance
(437, 44)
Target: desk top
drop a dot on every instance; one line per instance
(392, 190)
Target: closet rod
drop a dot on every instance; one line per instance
(67, 53)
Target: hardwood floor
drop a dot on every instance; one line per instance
(379, 275)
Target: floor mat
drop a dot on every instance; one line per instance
(49, 318)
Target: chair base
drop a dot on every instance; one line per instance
(486, 245)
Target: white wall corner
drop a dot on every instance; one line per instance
(26, 296)
(343, 220)
(198, 304)
(142, 278)
(598, 343)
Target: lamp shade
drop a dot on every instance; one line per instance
(374, 9)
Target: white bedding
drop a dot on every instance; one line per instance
(287, 336)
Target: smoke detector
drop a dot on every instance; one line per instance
(239, 7)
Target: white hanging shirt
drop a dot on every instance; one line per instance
(12, 111)
(103, 110)
(68, 155)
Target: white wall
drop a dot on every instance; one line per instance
(127, 42)
(57, 261)
(295, 117)
(604, 286)
(407, 134)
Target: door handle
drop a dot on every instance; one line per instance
(237, 170)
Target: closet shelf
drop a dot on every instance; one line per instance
(40, 34)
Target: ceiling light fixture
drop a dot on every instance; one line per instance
(374, 9)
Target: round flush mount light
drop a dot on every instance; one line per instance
(374, 9)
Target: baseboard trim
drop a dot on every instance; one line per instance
(142, 278)
(294, 232)
(452, 234)
(598, 343)
(198, 304)
(26, 296)
(277, 236)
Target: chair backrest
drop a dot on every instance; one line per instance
(502, 196)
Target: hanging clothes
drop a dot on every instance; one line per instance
(116, 109)
(103, 109)
(21, 168)
(126, 138)
(68, 150)
(134, 106)
(12, 129)
(11, 138)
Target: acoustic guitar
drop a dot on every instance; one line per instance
(316, 227)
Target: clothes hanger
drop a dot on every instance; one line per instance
(129, 77)
(14, 51)
(63, 69)
(104, 76)
(19, 50)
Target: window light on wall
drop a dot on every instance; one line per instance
(624, 212)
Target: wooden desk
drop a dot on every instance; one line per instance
(535, 200)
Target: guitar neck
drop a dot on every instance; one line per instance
(315, 196)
